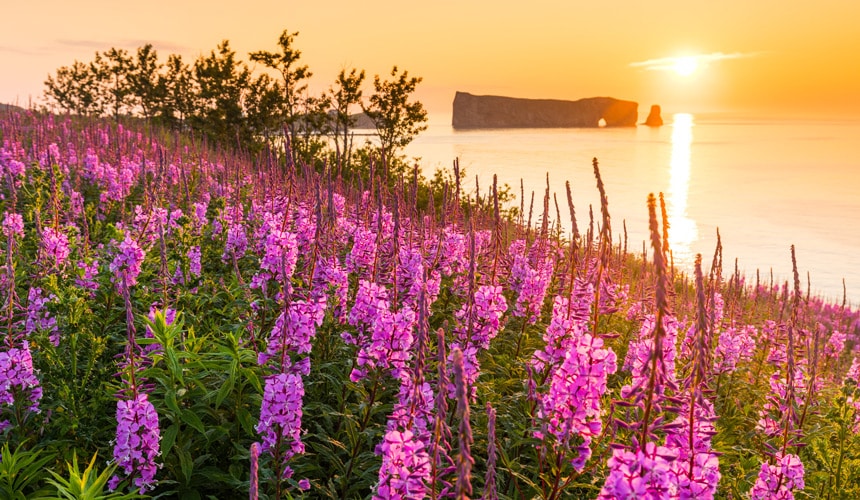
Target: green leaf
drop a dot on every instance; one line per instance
(170, 401)
(191, 418)
(185, 463)
(168, 438)
(246, 420)
(225, 390)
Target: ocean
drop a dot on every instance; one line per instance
(766, 184)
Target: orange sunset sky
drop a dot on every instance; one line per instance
(775, 58)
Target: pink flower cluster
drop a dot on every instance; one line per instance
(360, 259)
(452, 254)
(329, 274)
(640, 352)
(410, 278)
(488, 305)
(735, 345)
(137, 442)
(777, 406)
(293, 332)
(13, 225)
(370, 300)
(87, 274)
(39, 319)
(8, 164)
(698, 467)
(279, 257)
(405, 467)
(777, 482)
(640, 474)
(835, 344)
(55, 246)
(569, 321)
(126, 263)
(237, 242)
(194, 266)
(390, 343)
(17, 377)
(529, 282)
(854, 371)
(484, 318)
(572, 406)
(280, 422)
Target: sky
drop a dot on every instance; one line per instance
(773, 58)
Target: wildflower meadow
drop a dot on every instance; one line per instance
(185, 321)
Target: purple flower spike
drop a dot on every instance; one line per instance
(137, 441)
(281, 414)
(13, 225)
(405, 467)
(126, 263)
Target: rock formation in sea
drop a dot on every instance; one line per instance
(654, 119)
(474, 111)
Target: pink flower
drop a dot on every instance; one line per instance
(854, 371)
(405, 467)
(17, 377)
(126, 263)
(237, 242)
(281, 414)
(194, 266)
(734, 345)
(13, 225)
(280, 255)
(293, 332)
(87, 275)
(776, 482)
(137, 441)
(484, 322)
(835, 344)
(363, 253)
(640, 474)
(55, 246)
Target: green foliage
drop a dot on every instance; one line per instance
(21, 471)
(88, 484)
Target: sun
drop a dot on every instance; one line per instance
(685, 66)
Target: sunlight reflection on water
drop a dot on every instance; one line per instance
(683, 231)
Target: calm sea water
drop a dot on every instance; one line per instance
(765, 184)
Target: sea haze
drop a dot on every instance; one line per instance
(766, 184)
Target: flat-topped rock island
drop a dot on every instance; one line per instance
(486, 111)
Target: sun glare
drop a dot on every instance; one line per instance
(685, 66)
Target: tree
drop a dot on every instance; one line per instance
(143, 79)
(111, 70)
(345, 94)
(292, 74)
(222, 84)
(264, 105)
(72, 89)
(313, 124)
(397, 120)
(177, 88)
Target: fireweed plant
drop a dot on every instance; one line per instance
(222, 325)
